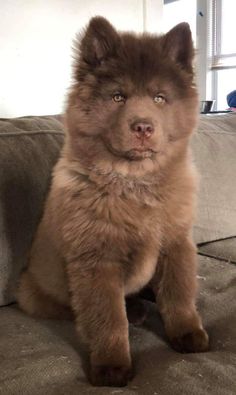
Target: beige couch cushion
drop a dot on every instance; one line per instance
(214, 149)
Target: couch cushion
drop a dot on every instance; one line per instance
(45, 357)
(214, 149)
(223, 249)
(29, 147)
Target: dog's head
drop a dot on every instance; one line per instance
(134, 95)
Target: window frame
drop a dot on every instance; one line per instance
(209, 59)
(218, 60)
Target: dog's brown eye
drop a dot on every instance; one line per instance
(118, 97)
(159, 99)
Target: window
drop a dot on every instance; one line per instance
(213, 25)
(223, 50)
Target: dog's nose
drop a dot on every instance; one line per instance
(142, 129)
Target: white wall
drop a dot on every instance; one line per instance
(203, 53)
(35, 46)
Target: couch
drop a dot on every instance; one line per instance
(45, 356)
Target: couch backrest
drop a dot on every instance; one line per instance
(214, 151)
(29, 147)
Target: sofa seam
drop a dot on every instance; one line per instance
(202, 244)
(46, 131)
(217, 258)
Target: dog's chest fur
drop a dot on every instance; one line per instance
(116, 219)
(133, 208)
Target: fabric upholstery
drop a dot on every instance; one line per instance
(223, 249)
(214, 151)
(29, 147)
(41, 357)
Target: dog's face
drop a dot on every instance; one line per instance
(134, 96)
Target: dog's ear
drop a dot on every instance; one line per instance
(99, 42)
(178, 45)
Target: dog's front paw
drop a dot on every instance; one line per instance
(111, 376)
(195, 341)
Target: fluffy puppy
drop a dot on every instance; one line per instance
(120, 209)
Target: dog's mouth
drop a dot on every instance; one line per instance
(140, 153)
(137, 153)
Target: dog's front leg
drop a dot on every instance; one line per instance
(97, 299)
(175, 285)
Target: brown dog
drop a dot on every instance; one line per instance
(120, 209)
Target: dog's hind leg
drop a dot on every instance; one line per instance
(35, 302)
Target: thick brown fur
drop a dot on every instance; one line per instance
(120, 210)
